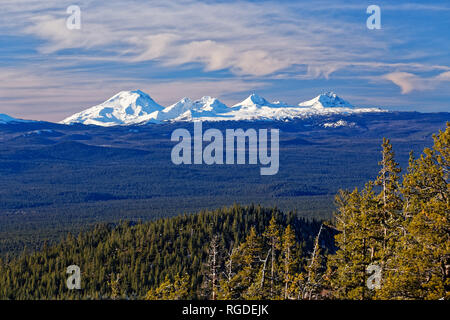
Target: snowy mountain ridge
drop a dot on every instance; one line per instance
(126, 107)
(137, 107)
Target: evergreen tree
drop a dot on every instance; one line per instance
(114, 284)
(347, 268)
(168, 290)
(272, 234)
(289, 261)
(250, 255)
(371, 226)
(420, 268)
(390, 217)
(149, 256)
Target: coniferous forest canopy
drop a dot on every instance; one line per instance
(217, 159)
(56, 179)
(397, 222)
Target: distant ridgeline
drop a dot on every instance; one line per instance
(56, 178)
(127, 260)
(389, 240)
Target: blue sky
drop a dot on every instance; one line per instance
(283, 50)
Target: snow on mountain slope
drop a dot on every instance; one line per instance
(186, 109)
(254, 102)
(126, 107)
(258, 108)
(326, 100)
(136, 107)
(338, 124)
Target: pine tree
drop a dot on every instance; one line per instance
(151, 255)
(371, 225)
(168, 290)
(272, 234)
(421, 261)
(242, 270)
(347, 268)
(390, 216)
(296, 288)
(114, 284)
(250, 255)
(289, 260)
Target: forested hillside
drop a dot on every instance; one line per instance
(56, 179)
(389, 240)
(127, 260)
(399, 226)
(393, 242)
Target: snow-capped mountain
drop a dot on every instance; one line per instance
(4, 118)
(326, 100)
(137, 107)
(126, 107)
(254, 102)
(186, 109)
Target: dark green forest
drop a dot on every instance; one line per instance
(127, 260)
(56, 179)
(387, 240)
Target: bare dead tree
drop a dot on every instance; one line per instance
(308, 288)
(213, 267)
(228, 273)
(264, 268)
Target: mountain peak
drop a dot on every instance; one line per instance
(189, 109)
(137, 107)
(254, 101)
(126, 107)
(138, 91)
(136, 97)
(326, 100)
(209, 100)
(210, 104)
(185, 100)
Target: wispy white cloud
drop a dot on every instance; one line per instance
(409, 82)
(251, 42)
(246, 38)
(56, 95)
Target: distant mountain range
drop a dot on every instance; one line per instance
(4, 118)
(137, 107)
(56, 175)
